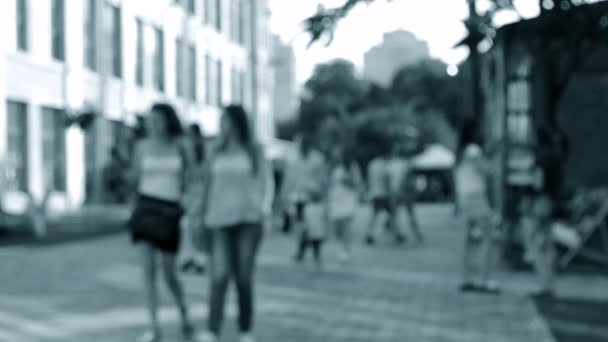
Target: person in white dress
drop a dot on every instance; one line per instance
(343, 201)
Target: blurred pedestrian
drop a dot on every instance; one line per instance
(195, 238)
(379, 193)
(473, 203)
(306, 184)
(345, 189)
(402, 189)
(115, 178)
(237, 204)
(160, 171)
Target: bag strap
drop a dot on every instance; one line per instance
(185, 165)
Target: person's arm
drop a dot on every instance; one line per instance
(134, 173)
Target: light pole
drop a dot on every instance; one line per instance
(474, 38)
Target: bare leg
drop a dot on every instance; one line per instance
(371, 227)
(177, 291)
(414, 221)
(148, 258)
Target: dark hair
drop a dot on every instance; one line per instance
(240, 122)
(174, 126)
(198, 142)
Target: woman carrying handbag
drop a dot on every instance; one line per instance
(194, 243)
(160, 171)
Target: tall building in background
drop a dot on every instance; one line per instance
(285, 95)
(117, 57)
(263, 87)
(398, 48)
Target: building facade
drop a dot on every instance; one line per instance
(398, 48)
(285, 90)
(116, 57)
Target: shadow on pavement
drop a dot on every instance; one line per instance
(574, 320)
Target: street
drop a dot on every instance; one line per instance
(91, 291)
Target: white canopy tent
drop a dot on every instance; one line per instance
(435, 157)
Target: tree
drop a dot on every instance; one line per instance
(337, 79)
(421, 81)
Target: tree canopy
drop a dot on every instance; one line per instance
(324, 22)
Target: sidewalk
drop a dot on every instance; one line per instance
(385, 294)
(88, 222)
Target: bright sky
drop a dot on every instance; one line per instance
(439, 22)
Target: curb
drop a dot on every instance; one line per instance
(61, 236)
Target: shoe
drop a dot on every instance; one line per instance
(400, 239)
(544, 294)
(370, 240)
(246, 338)
(206, 336)
(490, 287)
(468, 287)
(150, 336)
(187, 331)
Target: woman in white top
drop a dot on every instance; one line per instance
(345, 189)
(237, 203)
(160, 164)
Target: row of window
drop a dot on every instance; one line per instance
(149, 52)
(53, 147)
(213, 16)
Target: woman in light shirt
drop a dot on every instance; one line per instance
(236, 204)
(473, 204)
(160, 169)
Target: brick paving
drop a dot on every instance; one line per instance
(90, 291)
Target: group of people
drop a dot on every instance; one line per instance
(324, 192)
(222, 199)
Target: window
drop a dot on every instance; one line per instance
(58, 29)
(208, 81)
(53, 149)
(219, 81)
(208, 15)
(159, 60)
(179, 57)
(113, 34)
(241, 22)
(192, 73)
(90, 35)
(218, 15)
(22, 31)
(139, 55)
(191, 7)
(17, 170)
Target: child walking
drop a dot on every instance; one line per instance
(473, 203)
